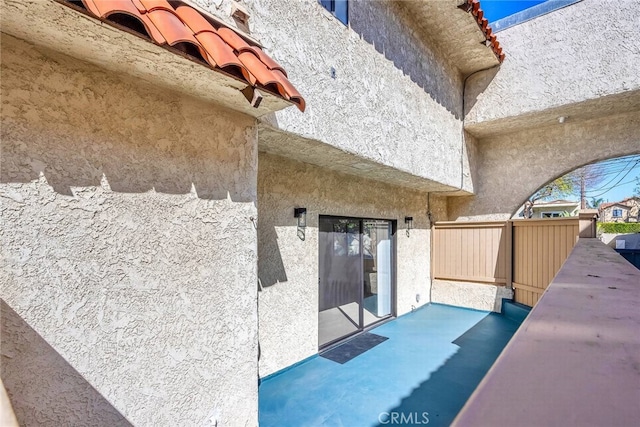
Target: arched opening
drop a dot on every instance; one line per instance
(597, 185)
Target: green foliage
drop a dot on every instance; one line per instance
(557, 188)
(619, 227)
(595, 203)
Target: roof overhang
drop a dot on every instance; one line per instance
(459, 28)
(617, 205)
(556, 205)
(58, 27)
(274, 141)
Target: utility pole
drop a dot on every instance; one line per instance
(583, 201)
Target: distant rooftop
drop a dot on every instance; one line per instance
(557, 202)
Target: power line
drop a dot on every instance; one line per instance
(614, 186)
(612, 179)
(618, 183)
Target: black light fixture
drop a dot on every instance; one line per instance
(409, 221)
(301, 214)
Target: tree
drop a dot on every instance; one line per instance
(586, 178)
(595, 203)
(559, 187)
(636, 189)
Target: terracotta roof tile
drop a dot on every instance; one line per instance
(172, 28)
(139, 5)
(194, 19)
(221, 54)
(151, 5)
(473, 7)
(213, 44)
(264, 76)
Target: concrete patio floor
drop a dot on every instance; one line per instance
(430, 364)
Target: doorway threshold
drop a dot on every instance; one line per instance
(344, 340)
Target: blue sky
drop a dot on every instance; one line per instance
(497, 9)
(622, 191)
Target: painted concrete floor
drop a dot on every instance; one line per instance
(431, 363)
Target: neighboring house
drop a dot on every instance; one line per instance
(198, 194)
(551, 209)
(623, 211)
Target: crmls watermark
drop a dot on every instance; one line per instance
(403, 418)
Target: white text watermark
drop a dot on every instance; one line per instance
(403, 418)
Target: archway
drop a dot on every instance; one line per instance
(509, 167)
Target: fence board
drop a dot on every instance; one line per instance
(541, 247)
(525, 253)
(472, 252)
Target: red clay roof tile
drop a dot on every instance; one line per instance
(264, 76)
(293, 94)
(220, 47)
(108, 7)
(171, 27)
(473, 7)
(269, 62)
(139, 5)
(233, 39)
(194, 19)
(151, 5)
(221, 54)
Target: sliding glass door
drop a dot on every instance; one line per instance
(377, 260)
(356, 275)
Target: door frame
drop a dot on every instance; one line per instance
(394, 264)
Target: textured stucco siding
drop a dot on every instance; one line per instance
(585, 51)
(288, 266)
(395, 99)
(513, 166)
(478, 296)
(128, 261)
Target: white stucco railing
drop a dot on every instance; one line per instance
(7, 417)
(575, 358)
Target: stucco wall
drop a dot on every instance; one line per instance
(288, 266)
(395, 98)
(128, 264)
(560, 58)
(556, 66)
(478, 296)
(513, 166)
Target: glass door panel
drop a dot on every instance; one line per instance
(355, 276)
(340, 292)
(377, 266)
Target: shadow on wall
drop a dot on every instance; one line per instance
(382, 25)
(75, 123)
(79, 161)
(43, 388)
(474, 84)
(270, 265)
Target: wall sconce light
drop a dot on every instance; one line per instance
(409, 221)
(301, 214)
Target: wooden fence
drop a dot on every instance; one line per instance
(540, 247)
(522, 254)
(471, 252)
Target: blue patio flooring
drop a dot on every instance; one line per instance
(431, 363)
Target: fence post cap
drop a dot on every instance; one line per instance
(588, 213)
